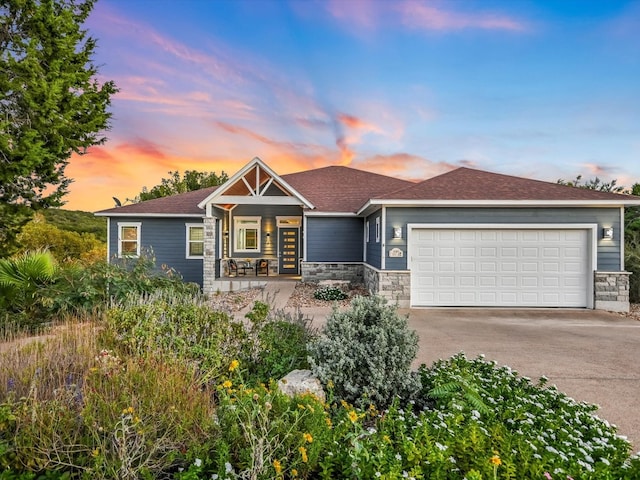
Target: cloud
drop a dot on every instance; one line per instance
(421, 15)
(426, 16)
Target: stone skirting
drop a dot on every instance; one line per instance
(395, 286)
(318, 271)
(611, 291)
(209, 261)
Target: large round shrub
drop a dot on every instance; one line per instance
(366, 353)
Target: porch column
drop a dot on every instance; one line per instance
(209, 261)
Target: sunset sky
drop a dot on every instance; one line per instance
(542, 89)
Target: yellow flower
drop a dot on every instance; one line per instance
(95, 452)
(278, 466)
(386, 438)
(227, 384)
(128, 411)
(307, 437)
(303, 453)
(234, 364)
(294, 472)
(327, 420)
(353, 416)
(495, 460)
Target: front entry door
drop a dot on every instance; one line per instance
(288, 250)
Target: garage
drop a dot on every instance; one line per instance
(524, 266)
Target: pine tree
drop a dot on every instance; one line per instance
(51, 104)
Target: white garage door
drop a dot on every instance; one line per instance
(499, 267)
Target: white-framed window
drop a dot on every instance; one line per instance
(195, 240)
(377, 229)
(366, 231)
(129, 239)
(288, 221)
(246, 234)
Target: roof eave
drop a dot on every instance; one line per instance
(496, 203)
(160, 215)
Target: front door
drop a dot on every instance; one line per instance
(288, 250)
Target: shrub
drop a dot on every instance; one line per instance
(176, 325)
(632, 264)
(329, 293)
(366, 352)
(276, 343)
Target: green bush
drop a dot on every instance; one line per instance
(176, 325)
(329, 293)
(366, 353)
(632, 264)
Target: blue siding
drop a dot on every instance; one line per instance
(374, 249)
(167, 238)
(608, 251)
(334, 239)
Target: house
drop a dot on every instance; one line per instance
(463, 238)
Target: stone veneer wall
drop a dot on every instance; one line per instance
(395, 286)
(209, 261)
(611, 290)
(317, 271)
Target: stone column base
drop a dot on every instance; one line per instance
(611, 291)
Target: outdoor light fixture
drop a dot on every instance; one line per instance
(607, 233)
(397, 233)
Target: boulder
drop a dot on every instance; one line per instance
(299, 382)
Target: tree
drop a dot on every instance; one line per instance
(191, 180)
(51, 104)
(594, 184)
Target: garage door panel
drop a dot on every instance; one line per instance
(499, 267)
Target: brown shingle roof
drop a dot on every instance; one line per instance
(342, 189)
(181, 204)
(470, 184)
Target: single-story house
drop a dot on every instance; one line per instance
(463, 238)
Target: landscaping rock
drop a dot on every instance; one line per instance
(299, 382)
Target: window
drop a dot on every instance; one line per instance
(246, 232)
(195, 240)
(129, 239)
(377, 229)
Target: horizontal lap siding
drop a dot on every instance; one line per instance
(334, 239)
(374, 249)
(166, 237)
(608, 251)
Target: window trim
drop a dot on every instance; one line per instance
(138, 227)
(367, 228)
(188, 241)
(377, 229)
(236, 234)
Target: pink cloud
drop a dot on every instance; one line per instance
(404, 165)
(362, 15)
(424, 16)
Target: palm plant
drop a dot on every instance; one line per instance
(21, 277)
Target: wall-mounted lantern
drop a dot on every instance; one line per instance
(397, 233)
(607, 233)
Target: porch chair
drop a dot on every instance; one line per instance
(233, 268)
(262, 266)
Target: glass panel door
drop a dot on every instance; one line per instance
(289, 250)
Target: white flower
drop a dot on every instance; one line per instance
(398, 456)
(378, 474)
(228, 468)
(198, 463)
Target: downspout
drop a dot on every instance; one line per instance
(622, 239)
(383, 238)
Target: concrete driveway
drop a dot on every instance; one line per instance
(592, 356)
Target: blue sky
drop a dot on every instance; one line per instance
(539, 89)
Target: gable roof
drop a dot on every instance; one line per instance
(250, 182)
(342, 189)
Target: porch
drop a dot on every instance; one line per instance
(234, 284)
